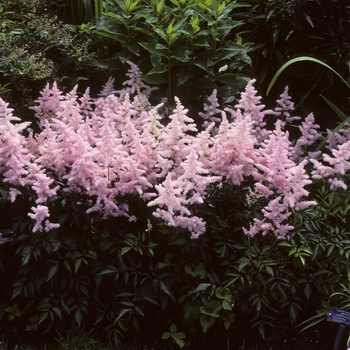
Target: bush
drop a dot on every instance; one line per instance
(118, 216)
(186, 48)
(36, 47)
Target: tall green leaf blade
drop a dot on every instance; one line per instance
(301, 59)
(88, 10)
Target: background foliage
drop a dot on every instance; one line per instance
(37, 47)
(187, 48)
(281, 31)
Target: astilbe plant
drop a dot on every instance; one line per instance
(130, 184)
(19, 169)
(119, 144)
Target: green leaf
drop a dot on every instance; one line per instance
(223, 293)
(307, 291)
(301, 59)
(212, 308)
(125, 250)
(65, 307)
(154, 79)
(166, 335)
(182, 79)
(227, 324)
(160, 32)
(53, 270)
(285, 244)
(262, 330)
(138, 310)
(179, 339)
(206, 322)
(57, 311)
(160, 6)
(78, 317)
(230, 78)
(226, 305)
(151, 47)
(123, 312)
(84, 290)
(201, 287)
(222, 222)
(17, 291)
(165, 289)
(77, 264)
(169, 30)
(67, 265)
(43, 317)
(158, 70)
(133, 6)
(109, 270)
(194, 23)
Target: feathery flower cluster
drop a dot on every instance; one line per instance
(16, 163)
(281, 180)
(285, 106)
(309, 135)
(251, 108)
(210, 110)
(233, 152)
(334, 139)
(339, 163)
(119, 145)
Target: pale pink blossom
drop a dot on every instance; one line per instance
(40, 213)
(211, 112)
(233, 153)
(119, 144)
(251, 108)
(338, 165)
(285, 106)
(309, 135)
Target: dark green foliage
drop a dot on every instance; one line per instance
(114, 276)
(36, 48)
(283, 30)
(186, 48)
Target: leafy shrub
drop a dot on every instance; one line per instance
(118, 215)
(37, 47)
(186, 48)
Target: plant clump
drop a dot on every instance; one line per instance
(115, 209)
